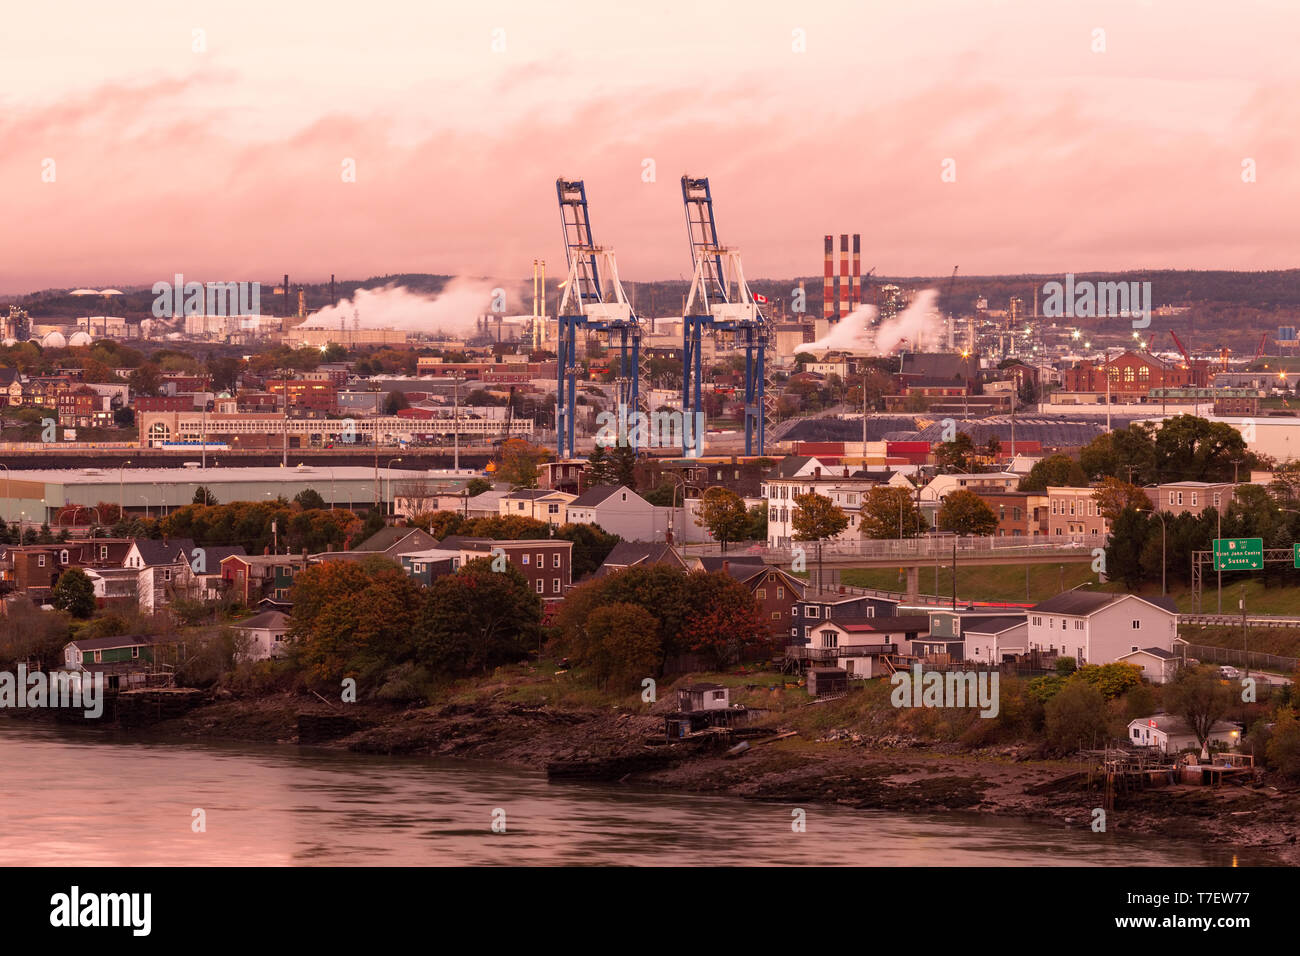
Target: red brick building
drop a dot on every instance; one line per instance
(1132, 374)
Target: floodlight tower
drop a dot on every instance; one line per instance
(593, 299)
(719, 300)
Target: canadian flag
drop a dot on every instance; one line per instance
(761, 299)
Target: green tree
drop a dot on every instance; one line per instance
(817, 518)
(204, 496)
(964, 512)
(624, 641)
(887, 510)
(956, 455)
(723, 513)
(757, 530)
(1189, 448)
(591, 546)
(599, 470)
(1283, 747)
(476, 486)
(476, 619)
(1076, 717)
(309, 499)
(1199, 697)
(1057, 471)
(1124, 548)
(74, 593)
(623, 462)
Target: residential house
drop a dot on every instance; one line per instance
(775, 591)
(814, 607)
(631, 554)
(249, 578)
(262, 636)
(160, 566)
(618, 510)
(1076, 513)
(432, 563)
(991, 640)
(1158, 665)
(546, 563)
(703, 696)
(200, 578)
(1191, 497)
(1099, 628)
(1020, 514)
(540, 505)
(858, 645)
(1168, 734)
(844, 488)
(124, 660)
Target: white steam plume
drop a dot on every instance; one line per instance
(453, 310)
(917, 327)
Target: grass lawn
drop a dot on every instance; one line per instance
(1003, 582)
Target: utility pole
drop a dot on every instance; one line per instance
(1245, 649)
(456, 420)
(1105, 370)
(1218, 520)
(954, 572)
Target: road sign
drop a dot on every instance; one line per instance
(1240, 554)
(1296, 547)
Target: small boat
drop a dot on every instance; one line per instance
(738, 750)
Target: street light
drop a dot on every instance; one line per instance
(121, 498)
(1163, 562)
(389, 468)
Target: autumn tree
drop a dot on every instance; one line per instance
(519, 463)
(817, 518)
(1113, 496)
(966, 513)
(889, 512)
(591, 546)
(724, 622)
(956, 454)
(352, 618)
(723, 513)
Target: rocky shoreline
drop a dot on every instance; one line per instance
(1262, 818)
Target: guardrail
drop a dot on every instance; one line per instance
(1234, 620)
(911, 549)
(1252, 659)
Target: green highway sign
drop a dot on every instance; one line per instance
(1296, 547)
(1241, 554)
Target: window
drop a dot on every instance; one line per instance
(1038, 621)
(813, 610)
(99, 657)
(780, 593)
(541, 586)
(762, 594)
(40, 560)
(1193, 499)
(63, 557)
(553, 509)
(555, 560)
(555, 585)
(794, 632)
(167, 574)
(524, 558)
(1137, 626)
(541, 560)
(135, 652)
(1132, 648)
(1171, 497)
(1216, 499)
(830, 639)
(1180, 497)
(103, 552)
(776, 615)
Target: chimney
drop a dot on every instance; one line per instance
(266, 549)
(846, 471)
(828, 292)
(817, 472)
(844, 276)
(855, 289)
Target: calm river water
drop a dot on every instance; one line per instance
(79, 797)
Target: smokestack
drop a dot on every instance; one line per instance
(333, 301)
(855, 296)
(285, 299)
(828, 293)
(844, 275)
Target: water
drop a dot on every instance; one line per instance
(76, 797)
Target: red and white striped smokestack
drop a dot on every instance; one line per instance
(855, 297)
(844, 275)
(828, 290)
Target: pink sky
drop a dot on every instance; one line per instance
(226, 164)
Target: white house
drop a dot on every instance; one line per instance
(989, 639)
(1098, 628)
(1157, 665)
(942, 485)
(1170, 735)
(160, 567)
(695, 697)
(265, 635)
(617, 510)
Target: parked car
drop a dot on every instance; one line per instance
(1229, 672)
